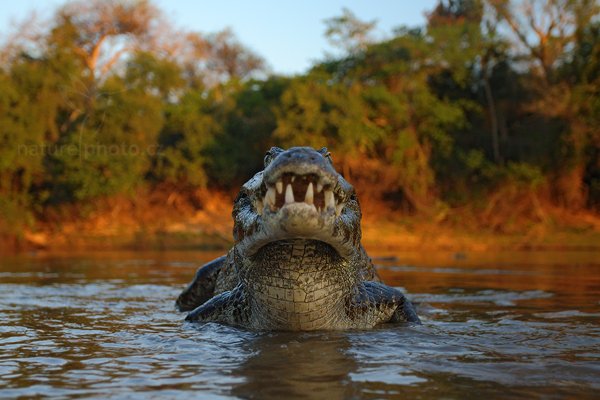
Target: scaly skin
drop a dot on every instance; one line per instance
(297, 262)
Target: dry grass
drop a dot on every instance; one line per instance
(167, 218)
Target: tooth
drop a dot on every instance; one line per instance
(319, 187)
(293, 178)
(279, 186)
(270, 196)
(259, 207)
(339, 208)
(308, 198)
(329, 199)
(289, 194)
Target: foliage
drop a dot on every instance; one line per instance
(489, 100)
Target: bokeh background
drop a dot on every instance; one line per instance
(460, 122)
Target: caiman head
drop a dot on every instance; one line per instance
(299, 195)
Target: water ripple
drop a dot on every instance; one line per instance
(121, 338)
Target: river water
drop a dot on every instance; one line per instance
(495, 325)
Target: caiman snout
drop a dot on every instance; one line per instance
(300, 161)
(301, 175)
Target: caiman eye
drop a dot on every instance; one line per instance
(326, 154)
(271, 154)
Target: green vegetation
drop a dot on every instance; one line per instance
(488, 115)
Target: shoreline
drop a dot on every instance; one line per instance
(385, 236)
(174, 222)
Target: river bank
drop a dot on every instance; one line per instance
(203, 221)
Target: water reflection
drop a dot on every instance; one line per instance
(290, 365)
(106, 326)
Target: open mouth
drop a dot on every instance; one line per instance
(290, 189)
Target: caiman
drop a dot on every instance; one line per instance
(297, 262)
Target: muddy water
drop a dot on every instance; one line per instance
(494, 325)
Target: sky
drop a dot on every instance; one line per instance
(289, 35)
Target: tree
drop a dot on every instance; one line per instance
(106, 31)
(190, 127)
(109, 151)
(457, 28)
(546, 32)
(247, 120)
(544, 29)
(37, 96)
(229, 59)
(348, 32)
(378, 109)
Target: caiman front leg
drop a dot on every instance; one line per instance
(375, 303)
(202, 287)
(230, 307)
